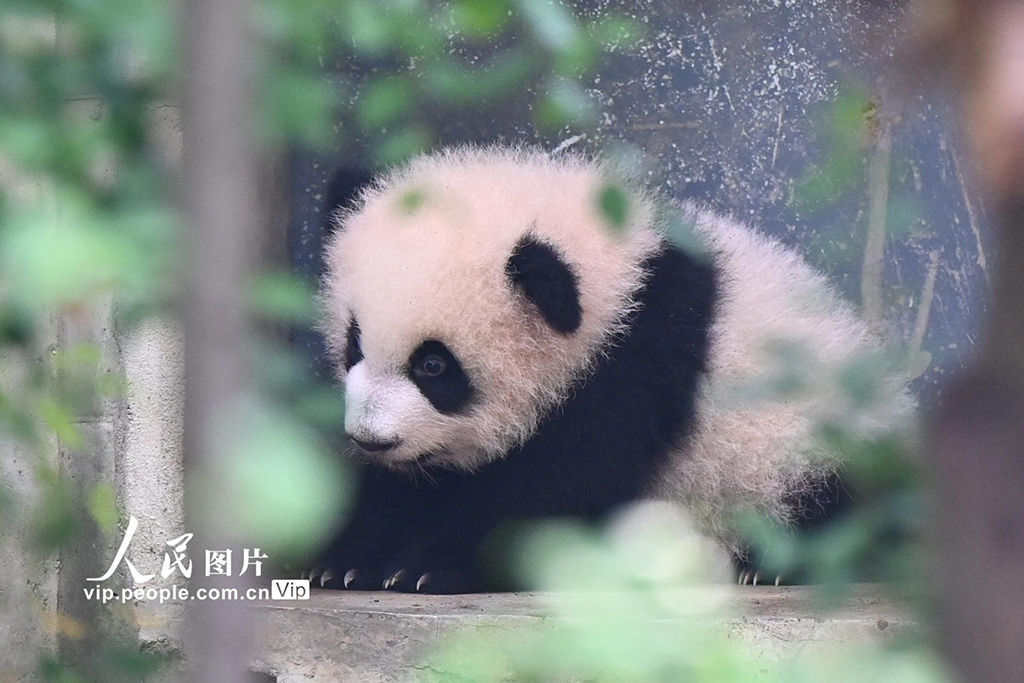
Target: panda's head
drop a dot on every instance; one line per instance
(467, 292)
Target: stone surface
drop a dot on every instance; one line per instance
(152, 434)
(381, 637)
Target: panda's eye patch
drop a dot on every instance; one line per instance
(439, 376)
(431, 365)
(353, 347)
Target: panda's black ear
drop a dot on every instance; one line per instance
(342, 192)
(539, 272)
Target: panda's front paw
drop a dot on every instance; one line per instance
(331, 576)
(751, 572)
(749, 577)
(436, 572)
(433, 580)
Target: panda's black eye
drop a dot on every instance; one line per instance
(430, 366)
(436, 371)
(353, 347)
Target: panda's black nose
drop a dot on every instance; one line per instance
(373, 446)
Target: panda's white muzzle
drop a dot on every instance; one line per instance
(380, 409)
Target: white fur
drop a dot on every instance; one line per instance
(752, 452)
(378, 408)
(436, 270)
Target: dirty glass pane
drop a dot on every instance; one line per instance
(788, 115)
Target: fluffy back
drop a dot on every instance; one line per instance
(783, 347)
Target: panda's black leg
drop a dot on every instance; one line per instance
(437, 569)
(352, 561)
(749, 571)
(382, 524)
(812, 508)
(435, 580)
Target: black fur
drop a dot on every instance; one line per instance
(548, 281)
(353, 348)
(306, 238)
(813, 509)
(602, 448)
(343, 192)
(450, 390)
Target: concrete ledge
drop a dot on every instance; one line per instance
(376, 637)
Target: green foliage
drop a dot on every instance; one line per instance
(845, 133)
(412, 200)
(275, 484)
(115, 662)
(283, 297)
(403, 144)
(480, 19)
(102, 504)
(86, 218)
(648, 599)
(53, 521)
(459, 85)
(384, 102)
(613, 202)
(565, 104)
(634, 603)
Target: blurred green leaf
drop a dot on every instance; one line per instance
(52, 670)
(402, 145)
(280, 488)
(61, 420)
(577, 59)
(613, 202)
(844, 129)
(369, 28)
(552, 23)
(127, 662)
(49, 264)
(26, 140)
(16, 325)
(384, 102)
(480, 18)
(617, 30)
(455, 84)
(284, 297)
(322, 407)
(299, 106)
(53, 519)
(862, 379)
(412, 200)
(682, 232)
(565, 103)
(102, 504)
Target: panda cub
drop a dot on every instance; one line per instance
(509, 353)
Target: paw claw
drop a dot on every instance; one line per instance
(422, 581)
(393, 579)
(350, 576)
(325, 577)
(778, 580)
(757, 577)
(314, 573)
(304, 574)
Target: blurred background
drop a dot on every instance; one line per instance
(164, 173)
